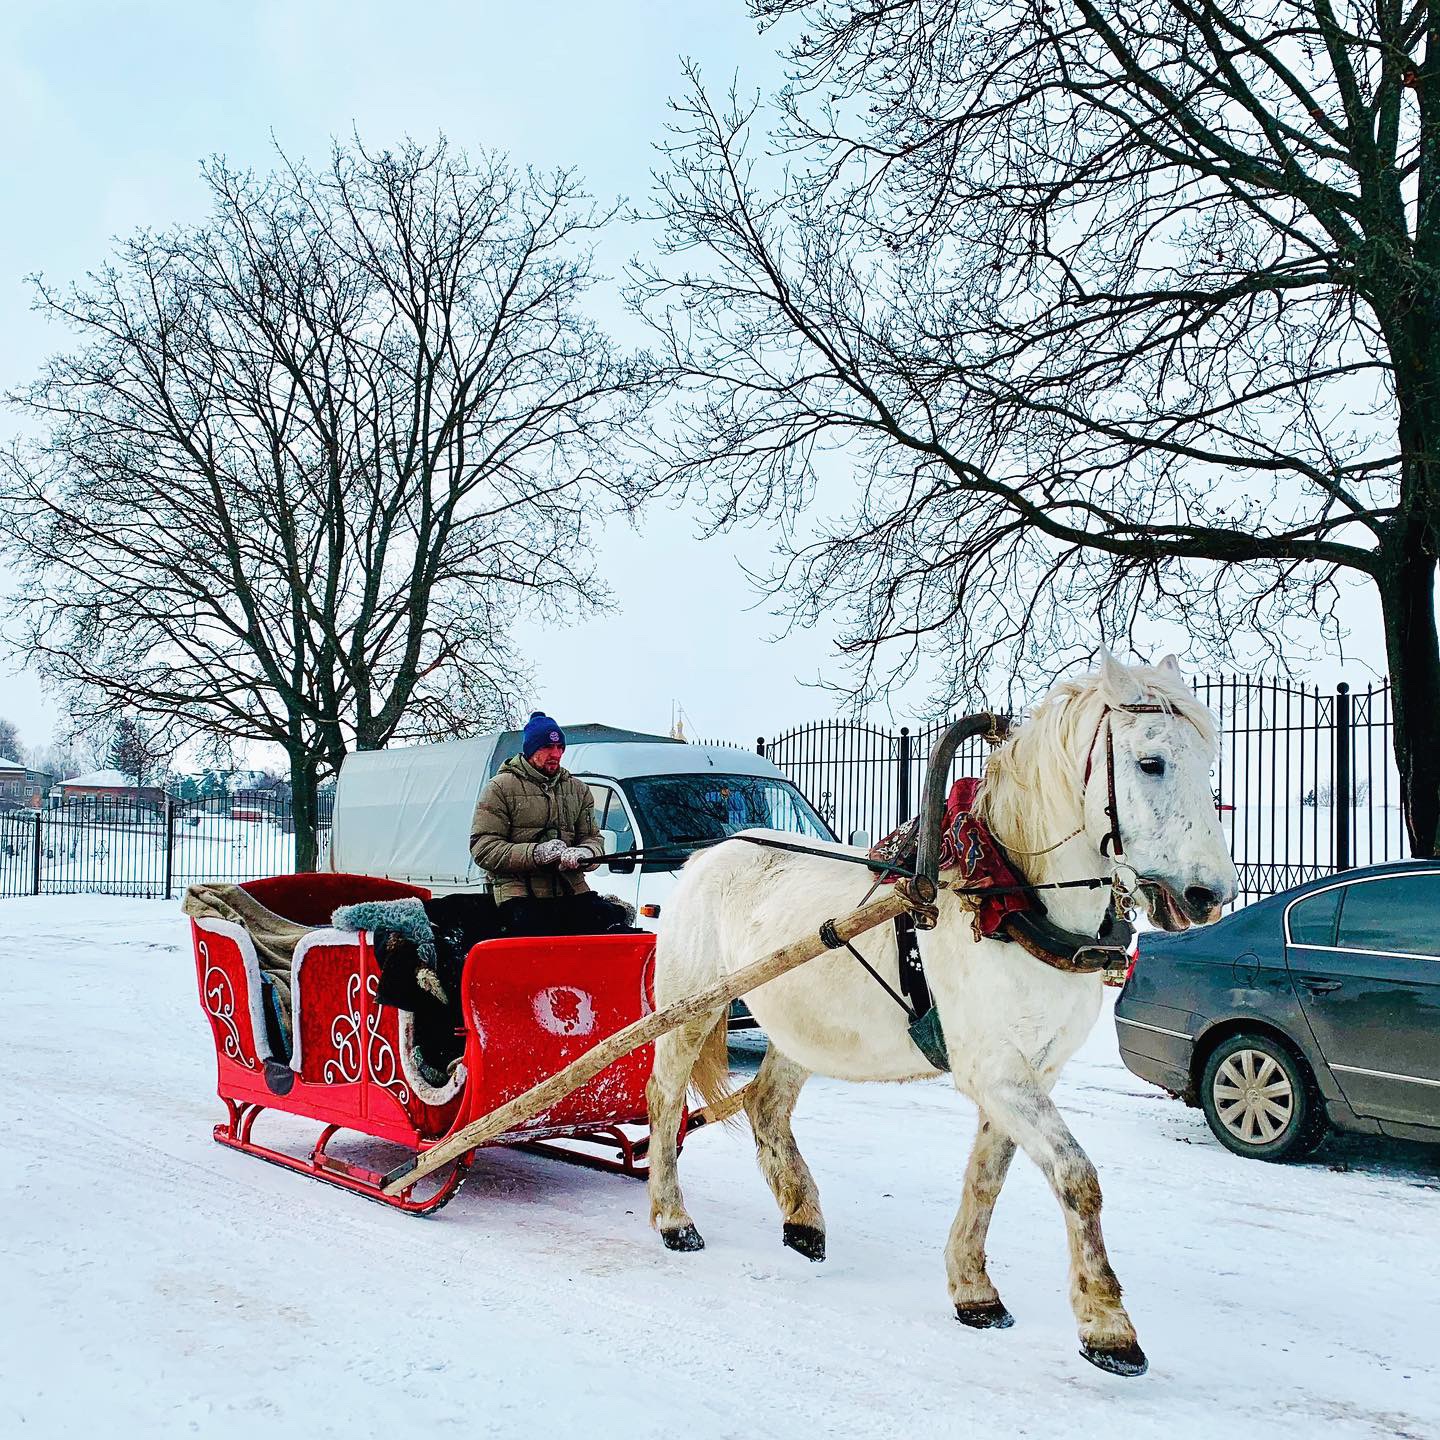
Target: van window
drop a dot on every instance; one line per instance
(683, 809)
(610, 814)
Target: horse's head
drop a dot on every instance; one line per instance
(1148, 800)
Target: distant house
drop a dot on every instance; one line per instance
(20, 787)
(108, 786)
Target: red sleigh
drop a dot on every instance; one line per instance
(530, 1006)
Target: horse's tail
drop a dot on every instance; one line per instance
(711, 1076)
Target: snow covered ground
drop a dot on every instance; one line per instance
(153, 1283)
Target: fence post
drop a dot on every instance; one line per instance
(903, 790)
(35, 868)
(169, 844)
(1343, 799)
(760, 745)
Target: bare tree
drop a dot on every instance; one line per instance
(9, 740)
(1119, 313)
(64, 755)
(305, 462)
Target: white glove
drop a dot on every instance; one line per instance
(547, 852)
(575, 856)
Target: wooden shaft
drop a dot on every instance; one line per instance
(650, 1027)
(721, 1110)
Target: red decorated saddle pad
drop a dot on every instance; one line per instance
(968, 849)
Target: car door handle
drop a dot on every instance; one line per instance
(1321, 987)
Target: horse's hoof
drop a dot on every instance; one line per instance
(1117, 1359)
(687, 1237)
(990, 1315)
(807, 1239)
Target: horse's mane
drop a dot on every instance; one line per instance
(1033, 791)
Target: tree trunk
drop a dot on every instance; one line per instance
(1407, 597)
(1407, 574)
(305, 808)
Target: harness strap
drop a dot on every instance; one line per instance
(926, 1031)
(880, 980)
(921, 1016)
(832, 941)
(912, 969)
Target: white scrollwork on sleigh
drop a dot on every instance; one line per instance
(381, 1057)
(345, 1037)
(219, 995)
(360, 1047)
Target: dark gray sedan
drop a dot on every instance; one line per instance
(1316, 1008)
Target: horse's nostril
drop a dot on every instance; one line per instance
(1200, 900)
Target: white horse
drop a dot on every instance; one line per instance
(1010, 1020)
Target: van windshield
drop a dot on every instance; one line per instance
(684, 809)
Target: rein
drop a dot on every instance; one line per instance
(878, 866)
(1111, 844)
(1034, 933)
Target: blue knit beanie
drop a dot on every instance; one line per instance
(540, 731)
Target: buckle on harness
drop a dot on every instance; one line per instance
(1100, 957)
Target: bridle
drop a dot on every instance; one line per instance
(1112, 837)
(1111, 843)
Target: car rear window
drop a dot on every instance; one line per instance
(1312, 920)
(1399, 914)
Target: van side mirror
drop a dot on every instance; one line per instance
(610, 839)
(860, 838)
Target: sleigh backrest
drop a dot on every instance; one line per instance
(312, 899)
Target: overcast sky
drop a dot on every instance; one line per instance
(108, 110)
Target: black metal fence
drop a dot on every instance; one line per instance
(146, 848)
(1305, 779)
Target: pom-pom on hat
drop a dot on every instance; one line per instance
(540, 731)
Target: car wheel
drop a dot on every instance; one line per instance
(1261, 1099)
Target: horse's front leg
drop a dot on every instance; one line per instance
(1021, 1108)
(977, 1302)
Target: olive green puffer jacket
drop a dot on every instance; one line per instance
(518, 809)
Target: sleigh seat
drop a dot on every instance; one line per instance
(358, 1053)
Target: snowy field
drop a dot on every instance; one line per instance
(153, 1283)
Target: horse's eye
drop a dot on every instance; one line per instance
(1152, 765)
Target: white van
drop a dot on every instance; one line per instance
(405, 813)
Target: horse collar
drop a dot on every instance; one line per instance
(1031, 928)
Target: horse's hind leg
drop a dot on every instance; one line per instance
(977, 1302)
(1019, 1106)
(769, 1102)
(675, 1056)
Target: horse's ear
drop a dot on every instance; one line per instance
(1115, 679)
(1169, 664)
